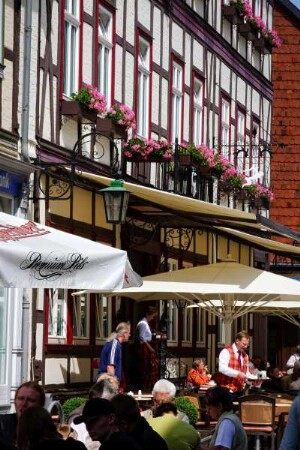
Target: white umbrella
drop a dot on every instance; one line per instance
(37, 256)
(227, 282)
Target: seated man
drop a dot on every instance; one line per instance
(197, 375)
(129, 420)
(177, 434)
(163, 391)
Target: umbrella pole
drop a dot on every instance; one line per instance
(227, 330)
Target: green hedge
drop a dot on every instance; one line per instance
(187, 407)
(71, 404)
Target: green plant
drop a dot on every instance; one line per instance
(89, 97)
(72, 403)
(187, 407)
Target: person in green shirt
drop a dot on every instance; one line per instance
(178, 435)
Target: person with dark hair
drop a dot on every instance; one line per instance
(292, 359)
(99, 416)
(295, 378)
(28, 394)
(147, 362)
(274, 382)
(233, 363)
(106, 388)
(129, 420)
(177, 434)
(111, 355)
(229, 433)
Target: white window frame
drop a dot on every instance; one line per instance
(144, 57)
(177, 99)
(255, 149)
(201, 327)
(102, 308)
(81, 305)
(240, 139)
(257, 8)
(57, 313)
(225, 127)
(71, 47)
(198, 111)
(172, 318)
(105, 53)
(187, 331)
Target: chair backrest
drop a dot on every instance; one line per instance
(257, 410)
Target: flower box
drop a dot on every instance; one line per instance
(248, 31)
(150, 159)
(241, 195)
(261, 202)
(185, 159)
(262, 45)
(74, 108)
(232, 14)
(109, 127)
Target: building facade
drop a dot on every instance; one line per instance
(194, 72)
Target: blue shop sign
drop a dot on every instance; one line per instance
(10, 183)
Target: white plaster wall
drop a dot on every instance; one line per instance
(56, 370)
(255, 102)
(119, 73)
(129, 80)
(177, 38)
(157, 35)
(241, 91)
(166, 50)
(155, 97)
(130, 29)
(119, 17)
(87, 53)
(89, 7)
(198, 55)
(9, 24)
(79, 370)
(144, 13)
(225, 77)
(7, 89)
(188, 59)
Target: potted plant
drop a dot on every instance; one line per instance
(232, 13)
(263, 197)
(187, 407)
(138, 149)
(201, 156)
(87, 102)
(232, 181)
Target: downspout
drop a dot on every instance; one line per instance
(26, 80)
(25, 154)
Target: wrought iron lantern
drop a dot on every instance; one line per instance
(116, 199)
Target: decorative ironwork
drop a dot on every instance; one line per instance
(178, 239)
(138, 232)
(59, 182)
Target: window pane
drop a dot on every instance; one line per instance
(101, 317)
(80, 316)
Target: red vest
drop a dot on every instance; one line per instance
(233, 384)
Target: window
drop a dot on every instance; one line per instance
(105, 53)
(254, 150)
(71, 47)
(172, 319)
(143, 88)
(225, 128)
(177, 95)
(80, 316)
(57, 312)
(240, 140)
(187, 325)
(198, 111)
(103, 312)
(6, 204)
(201, 326)
(257, 7)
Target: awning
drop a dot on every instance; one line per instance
(269, 245)
(278, 228)
(171, 210)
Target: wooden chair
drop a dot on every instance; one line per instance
(257, 414)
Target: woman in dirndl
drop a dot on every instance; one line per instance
(147, 361)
